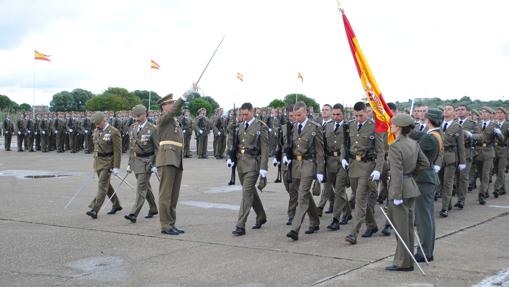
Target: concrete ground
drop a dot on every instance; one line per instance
(44, 244)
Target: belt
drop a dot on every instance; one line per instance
(301, 157)
(104, 154)
(243, 151)
(361, 158)
(174, 143)
(500, 145)
(143, 154)
(486, 145)
(336, 153)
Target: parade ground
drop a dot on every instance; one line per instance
(44, 244)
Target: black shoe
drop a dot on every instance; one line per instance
(487, 195)
(369, 232)
(151, 214)
(380, 200)
(278, 180)
(450, 205)
(502, 192)
(258, 225)
(92, 213)
(320, 211)
(181, 231)
(130, 217)
(290, 221)
(482, 201)
(444, 213)
(114, 210)
(345, 219)
(239, 231)
(293, 235)
(352, 239)
(329, 211)
(420, 258)
(334, 225)
(459, 205)
(312, 229)
(396, 268)
(170, 231)
(387, 230)
(495, 194)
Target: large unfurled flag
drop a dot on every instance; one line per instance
(240, 77)
(299, 76)
(41, 56)
(382, 112)
(154, 65)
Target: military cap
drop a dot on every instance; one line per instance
(97, 117)
(402, 120)
(476, 112)
(167, 99)
(139, 110)
(202, 109)
(502, 109)
(488, 109)
(435, 115)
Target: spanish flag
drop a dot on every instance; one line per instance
(154, 65)
(240, 77)
(299, 76)
(41, 56)
(382, 112)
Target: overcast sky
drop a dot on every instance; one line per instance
(432, 48)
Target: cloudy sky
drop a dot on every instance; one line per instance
(432, 48)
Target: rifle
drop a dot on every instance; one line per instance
(289, 149)
(234, 149)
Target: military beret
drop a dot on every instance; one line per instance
(435, 115)
(97, 117)
(475, 112)
(167, 99)
(402, 120)
(502, 110)
(488, 109)
(202, 109)
(139, 110)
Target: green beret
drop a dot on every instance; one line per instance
(502, 109)
(202, 109)
(435, 115)
(139, 110)
(488, 109)
(97, 117)
(402, 120)
(166, 99)
(475, 112)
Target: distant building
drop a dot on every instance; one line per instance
(41, 109)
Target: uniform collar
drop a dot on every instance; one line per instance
(250, 122)
(303, 123)
(449, 123)
(434, 129)
(105, 127)
(143, 125)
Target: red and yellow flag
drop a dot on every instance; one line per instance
(299, 76)
(41, 56)
(382, 112)
(240, 77)
(154, 65)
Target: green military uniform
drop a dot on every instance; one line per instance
(60, 134)
(37, 134)
(367, 155)
(169, 161)
(20, 130)
(87, 137)
(8, 132)
(328, 192)
(290, 187)
(201, 129)
(501, 157)
(44, 134)
(107, 155)
(29, 135)
(187, 130)
(71, 134)
(219, 131)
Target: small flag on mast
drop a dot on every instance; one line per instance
(299, 76)
(41, 56)
(240, 77)
(154, 65)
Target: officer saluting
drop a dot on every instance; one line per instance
(108, 150)
(143, 146)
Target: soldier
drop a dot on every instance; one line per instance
(187, 129)
(169, 161)
(108, 152)
(328, 193)
(51, 134)
(474, 174)
(78, 120)
(454, 157)
(219, 131)
(273, 123)
(127, 121)
(8, 126)
(87, 133)
(29, 133)
(252, 157)
(501, 152)
(143, 146)
(367, 150)
(37, 132)
(60, 132)
(44, 133)
(21, 130)
(486, 151)
(405, 157)
(420, 124)
(201, 130)
(307, 158)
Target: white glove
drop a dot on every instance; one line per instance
(128, 169)
(286, 161)
(375, 175)
(29, 132)
(468, 133)
(201, 132)
(344, 163)
(35, 133)
(462, 166)
(115, 171)
(498, 131)
(70, 130)
(56, 132)
(398, 202)
(19, 133)
(275, 162)
(218, 133)
(270, 130)
(154, 169)
(229, 163)
(184, 131)
(436, 168)
(263, 173)
(86, 131)
(189, 92)
(319, 177)
(43, 132)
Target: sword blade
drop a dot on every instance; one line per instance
(85, 183)
(210, 60)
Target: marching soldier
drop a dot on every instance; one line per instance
(252, 156)
(367, 150)
(108, 152)
(8, 132)
(126, 123)
(328, 193)
(201, 130)
(307, 158)
(20, 127)
(501, 152)
(143, 148)
(454, 157)
(44, 134)
(219, 131)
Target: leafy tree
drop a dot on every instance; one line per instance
(290, 99)
(5, 103)
(197, 103)
(212, 102)
(80, 97)
(25, 107)
(144, 95)
(131, 99)
(107, 103)
(277, 103)
(62, 102)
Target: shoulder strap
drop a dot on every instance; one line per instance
(438, 137)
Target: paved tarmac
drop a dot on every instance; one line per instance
(43, 244)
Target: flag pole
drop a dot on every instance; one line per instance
(33, 91)
(149, 86)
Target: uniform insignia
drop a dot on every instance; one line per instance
(313, 134)
(371, 137)
(107, 137)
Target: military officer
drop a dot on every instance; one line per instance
(252, 157)
(405, 157)
(60, 132)
(367, 151)
(187, 129)
(37, 133)
(454, 156)
(44, 134)
(501, 152)
(8, 126)
(219, 132)
(308, 160)
(108, 152)
(29, 133)
(201, 129)
(169, 161)
(143, 146)
(88, 130)
(328, 192)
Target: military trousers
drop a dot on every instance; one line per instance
(29, 141)
(305, 203)
(293, 193)
(37, 140)
(143, 191)
(425, 217)
(202, 146)
(104, 189)
(449, 171)
(499, 164)
(44, 142)
(484, 168)
(8, 137)
(250, 198)
(402, 217)
(20, 142)
(365, 200)
(169, 189)
(187, 144)
(60, 142)
(462, 181)
(219, 145)
(328, 191)
(340, 197)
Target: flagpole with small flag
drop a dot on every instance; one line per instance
(153, 66)
(301, 77)
(37, 57)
